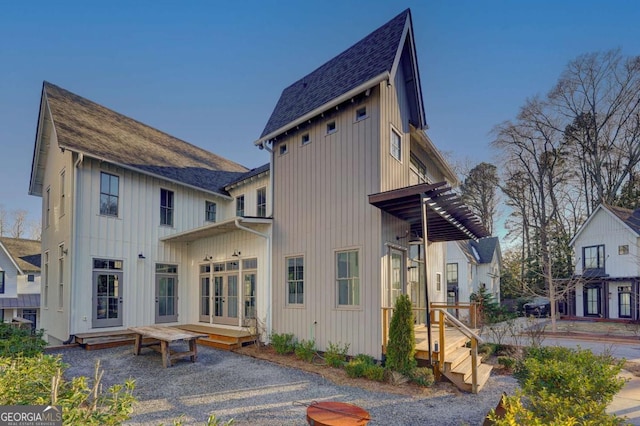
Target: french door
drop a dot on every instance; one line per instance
(225, 299)
(166, 293)
(107, 298)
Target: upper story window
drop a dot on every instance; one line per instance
(305, 139)
(240, 205)
(261, 207)
(283, 149)
(62, 192)
(45, 279)
(31, 278)
(166, 207)
(623, 249)
(109, 194)
(452, 273)
(348, 278)
(1, 282)
(331, 127)
(418, 168)
(361, 113)
(396, 145)
(210, 211)
(438, 281)
(593, 257)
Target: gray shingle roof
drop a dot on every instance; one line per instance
(251, 173)
(368, 58)
(484, 247)
(630, 217)
(26, 253)
(85, 126)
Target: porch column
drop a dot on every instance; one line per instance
(423, 206)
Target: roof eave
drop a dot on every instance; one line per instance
(35, 161)
(331, 104)
(249, 179)
(13, 261)
(145, 172)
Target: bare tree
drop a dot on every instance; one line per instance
(35, 230)
(19, 223)
(598, 95)
(479, 191)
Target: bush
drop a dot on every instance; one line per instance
(507, 362)
(374, 372)
(306, 350)
(422, 376)
(20, 341)
(39, 380)
(563, 386)
(402, 340)
(283, 343)
(358, 366)
(336, 355)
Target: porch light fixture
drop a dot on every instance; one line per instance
(141, 256)
(207, 258)
(236, 253)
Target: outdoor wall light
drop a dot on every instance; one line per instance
(207, 258)
(236, 253)
(141, 256)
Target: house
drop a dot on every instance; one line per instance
(607, 271)
(20, 280)
(357, 182)
(139, 227)
(472, 265)
(354, 208)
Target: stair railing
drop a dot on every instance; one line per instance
(475, 341)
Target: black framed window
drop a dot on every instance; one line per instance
(452, 273)
(210, 211)
(240, 205)
(109, 194)
(261, 210)
(166, 207)
(1, 282)
(593, 257)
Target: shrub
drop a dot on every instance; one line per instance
(374, 372)
(358, 365)
(306, 350)
(336, 355)
(422, 376)
(402, 340)
(283, 343)
(14, 341)
(39, 380)
(507, 362)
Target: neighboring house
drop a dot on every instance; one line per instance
(607, 270)
(472, 265)
(142, 228)
(352, 167)
(20, 280)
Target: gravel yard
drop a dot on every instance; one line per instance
(257, 392)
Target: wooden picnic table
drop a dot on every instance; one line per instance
(160, 337)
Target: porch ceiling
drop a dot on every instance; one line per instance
(448, 218)
(217, 228)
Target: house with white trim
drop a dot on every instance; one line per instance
(606, 250)
(354, 208)
(20, 280)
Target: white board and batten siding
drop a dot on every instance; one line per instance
(321, 207)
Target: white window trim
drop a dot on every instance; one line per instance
(308, 142)
(359, 306)
(335, 128)
(283, 149)
(400, 148)
(302, 305)
(364, 117)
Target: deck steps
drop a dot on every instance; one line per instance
(219, 338)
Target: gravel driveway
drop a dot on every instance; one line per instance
(258, 392)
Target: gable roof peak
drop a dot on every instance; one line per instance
(368, 61)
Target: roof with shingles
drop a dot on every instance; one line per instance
(26, 253)
(85, 126)
(251, 173)
(368, 58)
(484, 247)
(630, 217)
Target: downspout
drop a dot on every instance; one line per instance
(423, 206)
(74, 246)
(268, 270)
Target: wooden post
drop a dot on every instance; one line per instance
(137, 344)
(474, 365)
(442, 343)
(166, 356)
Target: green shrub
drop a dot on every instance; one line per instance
(374, 372)
(336, 354)
(358, 366)
(14, 341)
(306, 350)
(422, 376)
(507, 362)
(402, 341)
(283, 343)
(39, 380)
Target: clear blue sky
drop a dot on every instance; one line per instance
(210, 72)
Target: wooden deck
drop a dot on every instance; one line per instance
(217, 337)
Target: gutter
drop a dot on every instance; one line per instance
(74, 245)
(268, 274)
